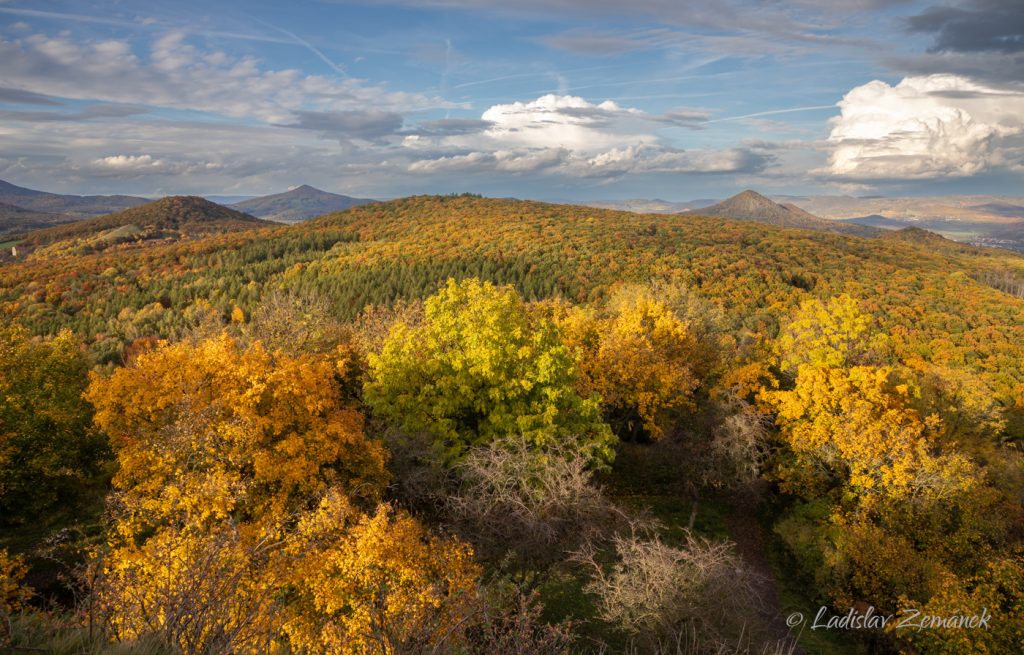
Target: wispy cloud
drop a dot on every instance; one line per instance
(179, 75)
(68, 17)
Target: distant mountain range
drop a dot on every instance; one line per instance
(970, 208)
(23, 210)
(641, 206)
(982, 220)
(978, 219)
(752, 206)
(56, 203)
(299, 204)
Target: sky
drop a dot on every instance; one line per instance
(546, 99)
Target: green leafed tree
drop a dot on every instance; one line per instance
(483, 365)
(49, 453)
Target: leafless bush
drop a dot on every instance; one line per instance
(527, 507)
(686, 642)
(738, 447)
(656, 592)
(295, 323)
(514, 627)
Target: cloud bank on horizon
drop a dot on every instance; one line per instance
(566, 99)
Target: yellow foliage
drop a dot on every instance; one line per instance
(483, 365)
(638, 356)
(971, 416)
(997, 591)
(13, 595)
(835, 333)
(858, 425)
(328, 580)
(224, 450)
(211, 430)
(375, 584)
(197, 590)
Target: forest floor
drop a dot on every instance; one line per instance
(745, 525)
(647, 478)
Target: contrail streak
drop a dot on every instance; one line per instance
(75, 18)
(771, 113)
(307, 45)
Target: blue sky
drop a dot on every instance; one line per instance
(554, 99)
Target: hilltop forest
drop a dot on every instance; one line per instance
(467, 425)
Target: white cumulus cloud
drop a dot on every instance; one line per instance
(128, 162)
(926, 127)
(571, 136)
(566, 122)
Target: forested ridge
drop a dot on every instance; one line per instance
(547, 411)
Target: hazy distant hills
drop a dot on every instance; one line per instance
(641, 206)
(228, 200)
(299, 204)
(982, 220)
(168, 219)
(876, 220)
(752, 206)
(19, 219)
(978, 219)
(63, 207)
(970, 208)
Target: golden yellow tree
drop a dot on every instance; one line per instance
(328, 580)
(829, 334)
(850, 422)
(240, 524)
(638, 355)
(214, 430)
(857, 428)
(375, 584)
(996, 592)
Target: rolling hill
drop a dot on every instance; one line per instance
(405, 248)
(752, 206)
(173, 218)
(875, 220)
(907, 318)
(299, 204)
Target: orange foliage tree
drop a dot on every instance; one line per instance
(241, 500)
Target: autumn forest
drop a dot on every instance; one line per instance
(455, 424)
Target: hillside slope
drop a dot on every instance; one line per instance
(754, 273)
(168, 219)
(17, 220)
